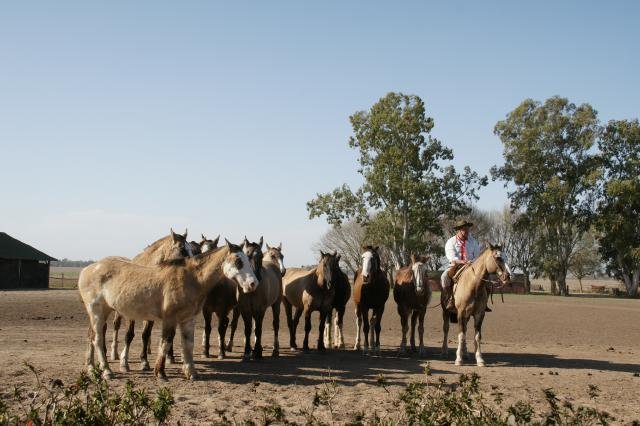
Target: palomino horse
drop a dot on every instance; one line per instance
(172, 292)
(412, 293)
(270, 269)
(470, 295)
(370, 291)
(310, 291)
(343, 293)
(173, 246)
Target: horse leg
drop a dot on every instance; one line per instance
(170, 357)
(378, 328)
(257, 346)
(339, 324)
(356, 346)
(124, 358)
(117, 321)
(247, 320)
(327, 329)
(89, 360)
(234, 326)
(223, 324)
(289, 314)
(422, 351)
(99, 319)
(462, 337)
(168, 332)
(146, 342)
(445, 332)
(414, 322)
(307, 329)
(206, 334)
(477, 320)
(104, 337)
(365, 331)
(296, 321)
(404, 322)
(187, 329)
(275, 311)
(322, 327)
(372, 332)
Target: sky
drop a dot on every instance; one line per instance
(120, 119)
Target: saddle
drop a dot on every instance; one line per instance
(455, 271)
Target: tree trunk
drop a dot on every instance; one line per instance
(631, 282)
(563, 290)
(554, 286)
(527, 282)
(580, 281)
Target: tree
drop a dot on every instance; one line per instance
(585, 260)
(618, 211)
(407, 190)
(547, 157)
(347, 239)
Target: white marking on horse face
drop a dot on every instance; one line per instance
(281, 264)
(367, 258)
(205, 247)
(418, 272)
(243, 276)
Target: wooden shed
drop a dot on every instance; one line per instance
(22, 266)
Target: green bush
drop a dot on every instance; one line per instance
(89, 400)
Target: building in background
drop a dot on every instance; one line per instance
(22, 266)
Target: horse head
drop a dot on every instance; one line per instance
(206, 244)
(328, 269)
(254, 253)
(495, 264)
(274, 254)
(237, 267)
(179, 247)
(419, 272)
(370, 262)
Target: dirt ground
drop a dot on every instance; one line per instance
(530, 343)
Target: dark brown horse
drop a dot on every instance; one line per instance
(310, 291)
(412, 293)
(370, 292)
(342, 296)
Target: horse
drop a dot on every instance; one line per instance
(221, 300)
(206, 244)
(412, 294)
(172, 292)
(342, 296)
(370, 291)
(470, 296)
(309, 291)
(270, 268)
(171, 247)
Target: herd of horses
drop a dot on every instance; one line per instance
(174, 279)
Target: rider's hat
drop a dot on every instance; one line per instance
(461, 223)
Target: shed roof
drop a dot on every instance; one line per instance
(10, 248)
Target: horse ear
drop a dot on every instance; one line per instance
(268, 248)
(322, 254)
(215, 242)
(376, 248)
(203, 237)
(245, 241)
(335, 253)
(231, 246)
(261, 241)
(413, 258)
(363, 247)
(280, 246)
(173, 235)
(338, 258)
(185, 233)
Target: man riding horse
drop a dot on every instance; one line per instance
(461, 249)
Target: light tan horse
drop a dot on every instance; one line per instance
(471, 295)
(412, 294)
(172, 247)
(269, 269)
(310, 291)
(172, 293)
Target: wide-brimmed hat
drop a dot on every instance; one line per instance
(461, 223)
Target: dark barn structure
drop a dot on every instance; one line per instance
(22, 266)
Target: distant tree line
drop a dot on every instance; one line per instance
(72, 263)
(573, 186)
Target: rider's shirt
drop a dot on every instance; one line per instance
(457, 249)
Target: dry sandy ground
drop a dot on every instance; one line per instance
(531, 343)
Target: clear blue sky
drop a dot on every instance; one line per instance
(120, 119)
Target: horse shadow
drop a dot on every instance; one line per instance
(344, 367)
(502, 359)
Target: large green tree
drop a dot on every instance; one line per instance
(408, 187)
(549, 169)
(618, 219)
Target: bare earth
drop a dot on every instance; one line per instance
(530, 343)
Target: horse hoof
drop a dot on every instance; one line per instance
(229, 348)
(256, 355)
(481, 364)
(458, 362)
(356, 347)
(275, 353)
(145, 367)
(422, 352)
(107, 374)
(115, 356)
(124, 368)
(171, 360)
(306, 350)
(206, 354)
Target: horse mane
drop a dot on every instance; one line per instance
(404, 276)
(154, 245)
